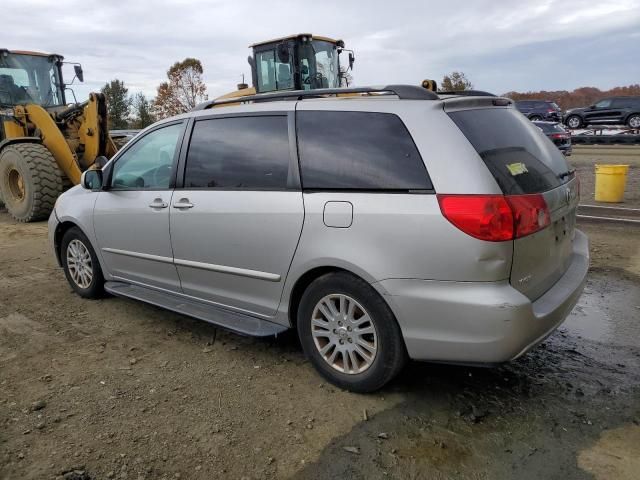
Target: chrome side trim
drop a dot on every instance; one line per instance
(243, 272)
(145, 256)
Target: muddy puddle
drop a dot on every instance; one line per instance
(612, 318)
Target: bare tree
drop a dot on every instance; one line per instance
(184, 89)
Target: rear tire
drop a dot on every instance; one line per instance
(574, 121)
(359, 322)
(81, 265)
(634, 121)
(30, 181)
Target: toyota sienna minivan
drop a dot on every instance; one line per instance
(386, 224)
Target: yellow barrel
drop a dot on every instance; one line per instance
(610, 182)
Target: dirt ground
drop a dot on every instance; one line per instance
(584, 158)
(119, 389)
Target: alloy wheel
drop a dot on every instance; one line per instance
(573, 122)
(344, 334)
(79, 263)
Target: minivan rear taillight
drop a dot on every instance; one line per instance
(496, 218)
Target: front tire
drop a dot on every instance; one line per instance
(535, 118)
(633, 121)
(80, 264)
(30, 181)
(574, 121)
(349, 333)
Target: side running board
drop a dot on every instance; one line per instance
(236, 322)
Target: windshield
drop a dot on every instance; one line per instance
(29, 79)
(319, 65)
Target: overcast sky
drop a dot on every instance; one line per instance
(501, 45)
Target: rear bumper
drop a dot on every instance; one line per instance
(481, 322)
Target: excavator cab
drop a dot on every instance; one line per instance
(298, 62)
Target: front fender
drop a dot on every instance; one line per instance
(75, 206)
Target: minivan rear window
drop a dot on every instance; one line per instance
(520, 157)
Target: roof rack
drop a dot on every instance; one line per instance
(404, 92)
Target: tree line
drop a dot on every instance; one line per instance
(580, 97)
(182, 91)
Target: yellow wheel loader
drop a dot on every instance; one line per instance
(296, 62)
(45, 144)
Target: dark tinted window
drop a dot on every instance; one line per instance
(242, 152)
(523, 104)
(520, 157)
(622, 102)
(358, 150)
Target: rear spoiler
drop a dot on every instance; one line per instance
(467, 102)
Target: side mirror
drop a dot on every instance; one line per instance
(592, 107)
(283, 52)
(352, 58)
(78, 71)
(91, 180)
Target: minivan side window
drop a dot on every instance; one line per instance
(358, 151)
(239, 153)
(148, 163)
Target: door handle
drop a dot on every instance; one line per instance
(183, 203)
(158, 203)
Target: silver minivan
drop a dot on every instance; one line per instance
(385, 224)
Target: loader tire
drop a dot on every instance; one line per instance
(30, 181)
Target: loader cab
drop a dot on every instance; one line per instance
(298, 62)
(31, 78)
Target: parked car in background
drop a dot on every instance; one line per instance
(613, 110)
(536, 110)
(557, 134)
(268, 216)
